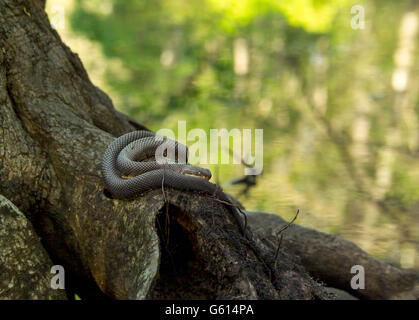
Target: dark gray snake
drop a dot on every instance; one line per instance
(126, 176)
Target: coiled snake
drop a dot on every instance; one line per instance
(126, 176)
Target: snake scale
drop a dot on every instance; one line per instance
(125, 175)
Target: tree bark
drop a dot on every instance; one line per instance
(330, 259)
(25, 265)
(55, 126)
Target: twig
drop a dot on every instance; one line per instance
(279, 233)
(289, 223)
(162, 185)
(167, 231)
(277, 251)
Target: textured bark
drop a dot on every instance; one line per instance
(55, 126)
(25, 267)
(330, 259)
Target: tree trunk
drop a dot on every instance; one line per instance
(55, 126)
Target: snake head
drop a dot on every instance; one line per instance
(197, 171)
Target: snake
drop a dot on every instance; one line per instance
(126, 176)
